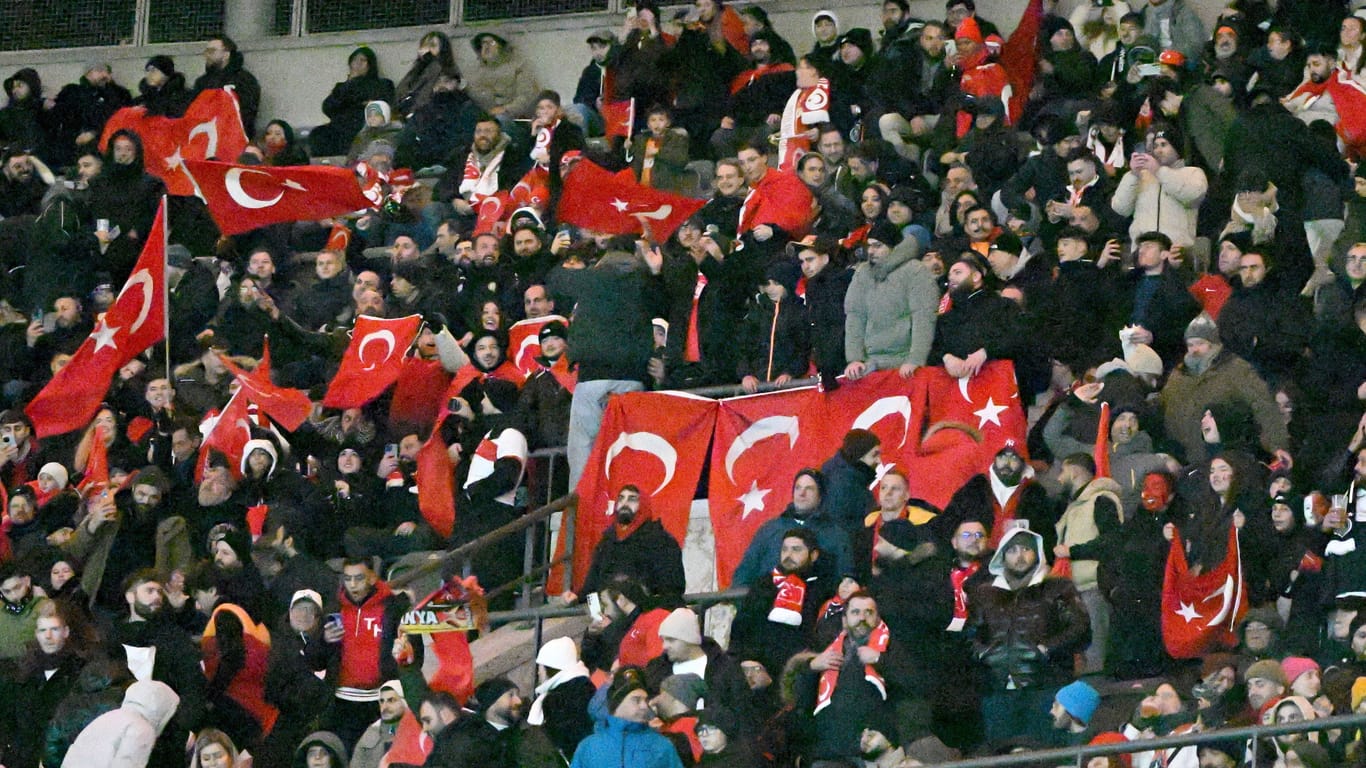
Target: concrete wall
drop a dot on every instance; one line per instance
(296, 73)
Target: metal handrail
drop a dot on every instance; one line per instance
(735, 390)
(701, 599)
(1083, 753)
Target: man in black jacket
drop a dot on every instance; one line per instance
(223, 66)
(825, 288)
(489, 738)
(778, 617)
(637, 547)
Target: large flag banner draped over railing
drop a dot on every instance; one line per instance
(1200, 613)
(938, 429)
(211, 129)
(135, 321)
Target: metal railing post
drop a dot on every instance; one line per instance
(528, 563)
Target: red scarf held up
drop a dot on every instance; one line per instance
(744, 79)
(787, 603)
(877, 640)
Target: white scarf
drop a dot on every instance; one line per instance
(537, 714)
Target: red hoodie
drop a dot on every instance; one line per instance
(360, 645)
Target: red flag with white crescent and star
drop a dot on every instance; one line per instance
(761, 441)
(652, 440)
(135, 321)
(436, 484)
(211, 128)
(288, 407)
(972, 418)
(619, 117)
(524, 342)
(228, 434)
(365, 373)
(883, 403)
(241, 198)
(1200, 613)
(600, 201)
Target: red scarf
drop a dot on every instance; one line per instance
(747, 78)
(877, 640)
(958, 577)
(787, 603)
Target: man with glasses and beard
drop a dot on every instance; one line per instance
(156, 649)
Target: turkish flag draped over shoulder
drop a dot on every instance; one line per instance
(600, 201)
(372, 361)
(211, 128)
(135, 321)
(524, 342)
(761, 442)
(288, 407)
(655, 441)
(241, 198)
(1200, 614)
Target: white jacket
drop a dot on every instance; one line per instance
(124, 738)
(1167, 201)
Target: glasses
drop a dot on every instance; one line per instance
(972, 535)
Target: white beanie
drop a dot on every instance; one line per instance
(559, 653)
(264, 445)
(57, 471)
(681, 625)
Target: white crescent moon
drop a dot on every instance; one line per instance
(1225, 592)
(385, 336)
(233, 181)
(144, 278)
(648, 442)
(531, 339)
(882, 408)
(659, 214)
(963, 387)
(209, 129)
(765, 427)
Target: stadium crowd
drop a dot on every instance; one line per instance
(1157, 225)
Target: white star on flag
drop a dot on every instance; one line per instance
(990, 412)
(1188, 613)
(174, 160)
(620, 205)
(753, 499)
(104, 337)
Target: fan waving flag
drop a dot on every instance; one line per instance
(436, 484)
(211, 128)
(1201, 613)
(241, 198)
(373, 361)
(1019, 56)
(601, 201)
(619, 117)
(227, 433)
(289, 407)
(135, 321)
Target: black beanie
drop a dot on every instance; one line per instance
(857, 443)
(885, 232)
(163, 64)
(490, 691)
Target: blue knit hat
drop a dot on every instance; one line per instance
(1080, 700)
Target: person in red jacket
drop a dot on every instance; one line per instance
(779, 206)
(366, 629)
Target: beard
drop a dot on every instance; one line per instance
(1198, 364)
(626, 517)
(146, 611)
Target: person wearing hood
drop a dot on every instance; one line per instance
(1027, 627)
(807, 510)
(637, 547)
(849, 475)
(320, 749)
(280, 146)
(126, 736)
(756, 96)
(162, 91)
(346, 104)
(1131, 576)
(81, 109)
(25, 121)
(1296, 572)
(775, 337)
(562, 699)
(1008, 491)
(502, 82)
(127, 196)
(1211, 374)
(223, 66)
(890, 307)
(622, 734)
(270, 489)
(825, 31)
(378, 126)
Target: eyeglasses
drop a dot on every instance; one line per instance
(972, 535)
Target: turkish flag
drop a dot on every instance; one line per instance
(226, 433)
(135, 321)
(651, 440)
(419, 394)
(288, 407)
(411, 744)
(436, 484)
(1101, 452)
(1349, 97)
(524, 342)
(1200, 614)
(983, 410)
(600, 201)
(1019, 55)
(491, 213)
(241, 198)
(362, 377)
(211, 128)
(619, 118)
(96, 478)
(761, 441)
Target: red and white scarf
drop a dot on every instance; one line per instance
(787, 603)
(877, 640)
(479, 183)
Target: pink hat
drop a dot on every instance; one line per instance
(1294, 666)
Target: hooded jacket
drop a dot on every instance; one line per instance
(124, 738)
(649, 554)
(1028, 634)
(890, 312)
(618, 743)
(325, 739)
(128, 196)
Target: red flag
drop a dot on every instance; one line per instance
(603, 202)
(289, 407)
(619, 117)
(761, 442)
(981, 411)
(362, 377)
(524, 342)
(211, 128)
(135, 321)
(243, 197)
(1349, 97)
(228, 435)
(1200, 614)
(649, 439)
(490, 216)
(96, 478)
(411, 744)
(436, 484)
(1019, 55)
(1101, 453)
(419, 394)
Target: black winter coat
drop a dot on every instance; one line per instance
(244, 84)
(774, 340)
(170, 99)
(825, 314)
(649, 555)
(1010, 625)
(753, 636)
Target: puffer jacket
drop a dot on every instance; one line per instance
(1010, 625)
(618, 743)
(124, 738)
(890, 311)
(99, 689)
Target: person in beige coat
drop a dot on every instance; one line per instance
(1093, 509)
(501, 82)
